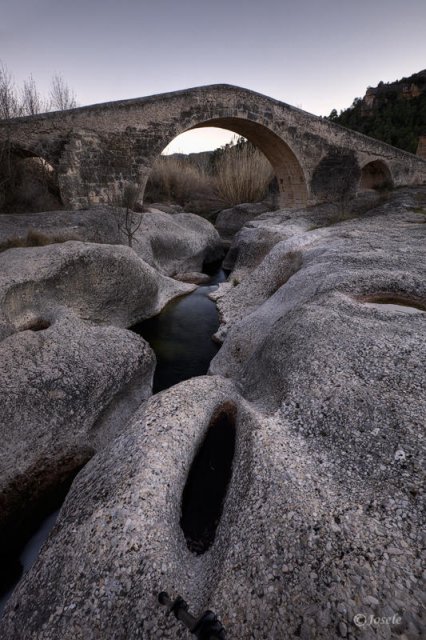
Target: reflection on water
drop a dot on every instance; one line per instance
(29, 553)
(181, 335)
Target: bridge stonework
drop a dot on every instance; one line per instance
(99, 149)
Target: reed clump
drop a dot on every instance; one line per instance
(234, 174)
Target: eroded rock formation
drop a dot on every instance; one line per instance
(178, 242)
(323, 372)
(70, 374)
(168, 242)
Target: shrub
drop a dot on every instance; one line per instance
(124, 209)
(236, 173)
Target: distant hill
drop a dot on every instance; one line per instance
(201, 159)
(394, 112)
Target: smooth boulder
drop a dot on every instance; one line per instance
(70, 374)
(106, 284)
(177, 243)
(229, 221)
(169, 242)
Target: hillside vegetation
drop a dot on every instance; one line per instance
(394, 112)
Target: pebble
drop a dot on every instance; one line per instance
(371, 600)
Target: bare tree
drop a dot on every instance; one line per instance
(9, 100)
(9, 108)
(31, 100)
(26, 101)
(128, 221)
(5, 167)
(61, 96)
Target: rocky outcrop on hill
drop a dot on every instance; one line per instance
(406, 89)
(321, 378)
(394, 112)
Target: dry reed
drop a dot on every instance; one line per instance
(243, 174)
(175, 179)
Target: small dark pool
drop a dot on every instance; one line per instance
(27, 557)
(207, 483)
(181, 335)
(23, 537)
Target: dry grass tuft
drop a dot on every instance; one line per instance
(176, 179)
(36, 238)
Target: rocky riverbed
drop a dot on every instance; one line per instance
(322, 380)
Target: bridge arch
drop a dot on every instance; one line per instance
(288, 170)
(375, 175)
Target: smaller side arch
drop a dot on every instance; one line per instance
(28, 181)
(375, 175)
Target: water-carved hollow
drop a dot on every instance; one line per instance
(208, 480)
(38, 324)
(28, 510)
(394, 302)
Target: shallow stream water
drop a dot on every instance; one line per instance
(181, 335)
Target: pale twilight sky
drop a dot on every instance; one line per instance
(314, 54)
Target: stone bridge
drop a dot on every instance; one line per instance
(99, 149)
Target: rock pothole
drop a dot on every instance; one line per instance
(36, 324)
(208, 481)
